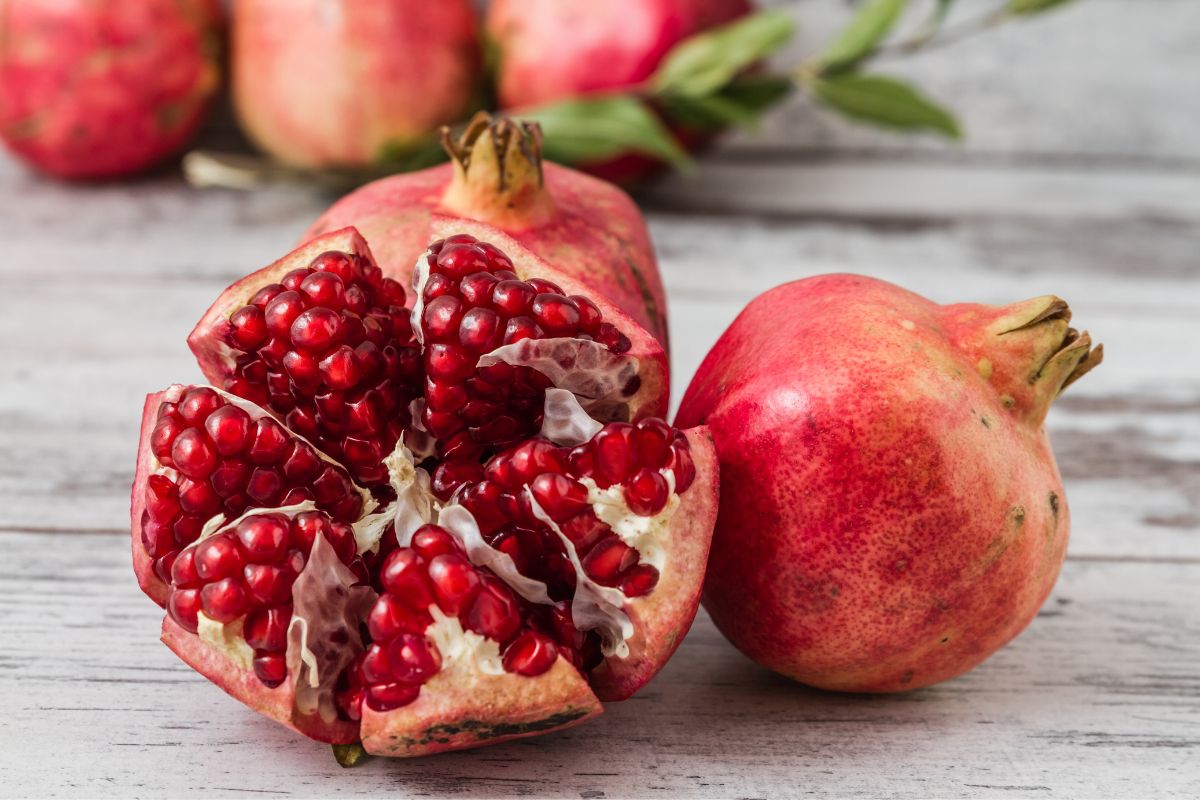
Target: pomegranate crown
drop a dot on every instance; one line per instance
(497, 171)
(1027, 350)
(510, 142)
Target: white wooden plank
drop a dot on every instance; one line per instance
(1098, 698)
(907, 190)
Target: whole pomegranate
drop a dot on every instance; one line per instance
(101, 89)
(891, 511)
(550, 50)
(348, 82)
(428, 529)
(587, 228)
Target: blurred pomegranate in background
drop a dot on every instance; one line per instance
(350, 82)
(550, 50)
(98, 89)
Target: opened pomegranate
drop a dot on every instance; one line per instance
(891, 511)
(97, 89)
(588, 229)
(553, 50)
(351, 82)
(423, 530)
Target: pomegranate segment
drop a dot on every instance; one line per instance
(246, 572)
(329, 348)
(322, 339)
(531, 554)
(472, 304)
(434, 594)
(623, 476)
(209, 457)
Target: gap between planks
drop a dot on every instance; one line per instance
(1081, 557)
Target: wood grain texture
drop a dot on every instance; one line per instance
(1081, 177)
(1100, 697)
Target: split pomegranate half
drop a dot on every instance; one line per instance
(423, 529)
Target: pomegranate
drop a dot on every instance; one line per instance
(97, 89)
(427, 529)
(589, 229)
(349, 82)
(892, 513)
(556, 49)
(552, 50)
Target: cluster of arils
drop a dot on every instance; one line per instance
(381, 522)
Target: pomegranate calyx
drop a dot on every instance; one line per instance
(1027, 350)
(498, 172)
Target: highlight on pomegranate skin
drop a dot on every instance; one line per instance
(383, 524)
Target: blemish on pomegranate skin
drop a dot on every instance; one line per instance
(907, 677)
(908, 324)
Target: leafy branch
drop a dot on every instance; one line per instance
(715, 79)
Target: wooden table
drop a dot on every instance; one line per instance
(1081, 177)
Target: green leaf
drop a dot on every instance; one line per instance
(937, 16)
(1023, 7)
(348, 755)
(742, 103)
(411, 154)
(885, 101)
(867, 29)
(593, 129)
(704, 63)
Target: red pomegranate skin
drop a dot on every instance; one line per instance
(587, 228)
(554, 49)
(342, 82)
(103, 89)
(891, 510)
(550, 50)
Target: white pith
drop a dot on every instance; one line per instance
(226, 639)
(593, 607)
(647, 535)
(461, 648)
